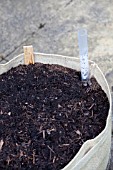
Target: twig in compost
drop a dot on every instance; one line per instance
(1, 144)
(50, 149)
(21, 153)
(91, 106)
(33, 157)
(43, 134)
(8, 160)
(54, 159)
(65, 144)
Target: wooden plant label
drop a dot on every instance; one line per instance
(28, 55)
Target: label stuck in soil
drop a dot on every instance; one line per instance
(84, 67)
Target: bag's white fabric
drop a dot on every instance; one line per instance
(94, 154)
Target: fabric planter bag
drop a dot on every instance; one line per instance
(95, 153)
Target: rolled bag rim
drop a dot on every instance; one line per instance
(91, 144)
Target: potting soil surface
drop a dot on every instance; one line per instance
(46, 114)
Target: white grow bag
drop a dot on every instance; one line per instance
(94, 154)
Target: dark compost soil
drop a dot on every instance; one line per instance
(46, 114)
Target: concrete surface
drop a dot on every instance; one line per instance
(51, 27)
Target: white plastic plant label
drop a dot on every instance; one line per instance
(84, 67)
(83, 50)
